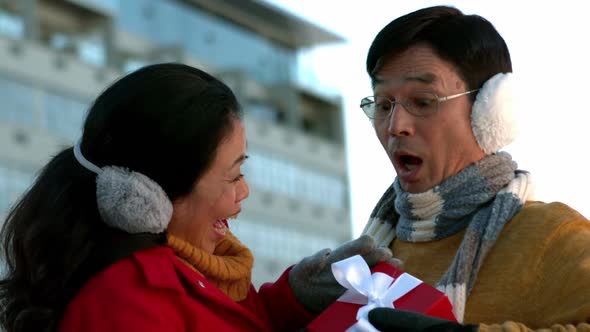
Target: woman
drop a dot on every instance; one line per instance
(127, 230)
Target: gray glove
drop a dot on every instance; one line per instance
(312, 281)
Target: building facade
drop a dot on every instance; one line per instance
(57, 55)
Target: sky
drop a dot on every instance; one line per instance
(550, 53)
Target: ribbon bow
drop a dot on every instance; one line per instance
(370, 290)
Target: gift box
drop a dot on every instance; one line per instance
(383, 286)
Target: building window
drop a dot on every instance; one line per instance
(60, 41)
(273, 173)
(64, 116)
(262, 111)
(11, 25)
(108, 5)
(13, 183)
(32, 107)
(274, 243)
(133, 64)
(166, 22)
(92, 52)
(17, 103)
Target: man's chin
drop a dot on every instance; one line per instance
(414, 187)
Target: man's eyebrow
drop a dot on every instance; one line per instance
(427, 78)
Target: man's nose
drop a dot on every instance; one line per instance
(401, 122)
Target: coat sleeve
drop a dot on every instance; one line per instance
(285, 312)
(560, 299)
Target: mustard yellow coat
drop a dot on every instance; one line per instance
(537, 275)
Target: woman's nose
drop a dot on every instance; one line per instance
(243, 190)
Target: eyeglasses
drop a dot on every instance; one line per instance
(418, 103)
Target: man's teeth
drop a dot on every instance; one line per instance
(410, 166)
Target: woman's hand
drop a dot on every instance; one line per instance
(312, 280)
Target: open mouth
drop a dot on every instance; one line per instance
(408, 162)
(221, 227)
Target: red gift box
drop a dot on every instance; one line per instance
(423, 298)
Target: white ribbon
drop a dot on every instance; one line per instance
(370, 290)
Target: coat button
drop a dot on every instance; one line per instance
(201, 283)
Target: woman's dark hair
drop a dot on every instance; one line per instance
(164, 121)
(469, 42)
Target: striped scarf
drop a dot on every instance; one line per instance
(481, 198)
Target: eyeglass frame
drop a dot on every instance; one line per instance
(438, 101)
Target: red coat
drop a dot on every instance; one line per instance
(152, 290)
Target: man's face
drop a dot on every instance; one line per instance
(425, 150)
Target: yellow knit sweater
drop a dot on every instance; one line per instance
(536, 277)
(229, 267)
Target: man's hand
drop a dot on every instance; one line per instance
(312, 280)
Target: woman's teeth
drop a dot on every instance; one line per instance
(220, 226)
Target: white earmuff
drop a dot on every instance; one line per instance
(492, 117)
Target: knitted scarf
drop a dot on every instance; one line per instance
(481, 198)
(229, 267)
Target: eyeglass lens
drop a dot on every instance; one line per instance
(416, 103)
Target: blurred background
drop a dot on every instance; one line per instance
(297, 67)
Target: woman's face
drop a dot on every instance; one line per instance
(200, 217)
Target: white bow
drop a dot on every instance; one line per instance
(370, 290)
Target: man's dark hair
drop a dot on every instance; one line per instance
(469, 42)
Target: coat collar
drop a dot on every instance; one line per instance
(162, 269)
(158, 267)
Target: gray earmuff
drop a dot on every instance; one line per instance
(127, 200)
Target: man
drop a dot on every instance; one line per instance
(459, 214)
